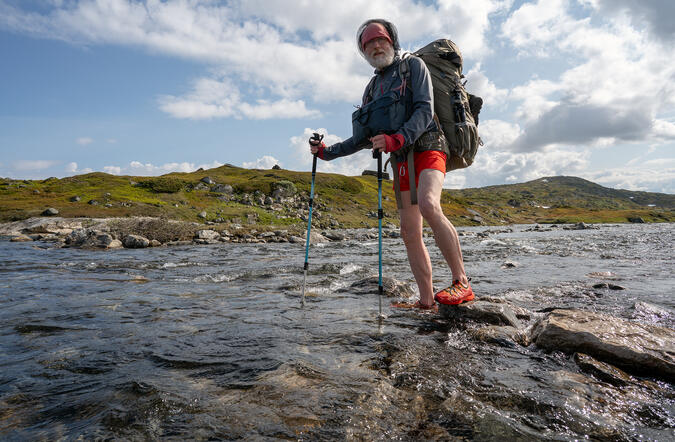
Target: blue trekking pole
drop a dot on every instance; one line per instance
(316, 137)
(378, 155)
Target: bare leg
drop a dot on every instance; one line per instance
(418, 256)
(447, 240)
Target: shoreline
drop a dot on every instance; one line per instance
(143, 232)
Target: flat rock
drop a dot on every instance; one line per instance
(637, 348)
(115, 244)
(390, 287)
(335, 235)
(497, 313)
(21, 238)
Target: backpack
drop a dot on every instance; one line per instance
(456, 110)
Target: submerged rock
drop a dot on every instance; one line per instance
(637, 348)
(497, 313)
(390, 287)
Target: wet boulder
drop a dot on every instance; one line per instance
(488, 311)
(601, 370)
(637, 348)
(135, 242)
(390, 287)
(502, 335)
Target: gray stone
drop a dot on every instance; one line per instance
(390, 287)
(107, 195)
(483, 311)
(135, 242)
(50, 212)
(115, 244)
(202, 215)
(102, 240)
(201, 186)
(269, 201)
(509, 265)
(92, 202)
(276, 167)
(504, 335)
(208, 180)
(635, 219)
(207, 234)
(222, 188)
(296, 239)
(75, 199)
(642, 349)
(155, 243)
(606, 285)
(283, 189)
(77, 237)
(335, 235)
(21, 238)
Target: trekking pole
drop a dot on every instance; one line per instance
(316, 137)
(377, 154)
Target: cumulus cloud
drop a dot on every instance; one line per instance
(309, 52)
(26, 165)
(498, 167)
(84, 141)
(113, 170)
(620, 85)
(655, 15)
(351, 165)
(73, 168)
(149, 169)
(656, 175)
(266, 162)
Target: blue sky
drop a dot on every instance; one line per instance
(578, 87)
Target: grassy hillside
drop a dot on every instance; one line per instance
(341, 201)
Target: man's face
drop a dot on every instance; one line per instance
(379, 53)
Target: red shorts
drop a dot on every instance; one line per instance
(429, 159)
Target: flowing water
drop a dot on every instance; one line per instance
(210, 342)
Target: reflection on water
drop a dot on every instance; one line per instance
(210, 342)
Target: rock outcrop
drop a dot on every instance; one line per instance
(637, 348)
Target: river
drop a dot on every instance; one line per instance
(210, 342)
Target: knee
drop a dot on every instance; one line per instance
(430, 209)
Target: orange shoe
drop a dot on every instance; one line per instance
(455, 294)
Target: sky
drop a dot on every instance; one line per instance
(146, 87)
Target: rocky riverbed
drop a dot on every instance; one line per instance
(570, 337)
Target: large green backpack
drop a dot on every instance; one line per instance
(456, 109)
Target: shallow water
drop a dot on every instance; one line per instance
(211, 342)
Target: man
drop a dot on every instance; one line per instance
(377, 40)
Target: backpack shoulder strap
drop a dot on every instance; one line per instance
(369, 88)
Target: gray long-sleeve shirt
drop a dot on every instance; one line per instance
(418, 99)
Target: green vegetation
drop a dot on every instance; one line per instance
(340, 201)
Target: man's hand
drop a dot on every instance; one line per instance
(316, 146)
(386, 143)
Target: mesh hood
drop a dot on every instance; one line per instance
(391, 30)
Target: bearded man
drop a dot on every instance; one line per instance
(377, 41)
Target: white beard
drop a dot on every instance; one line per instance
(381, 61)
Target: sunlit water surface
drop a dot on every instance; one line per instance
(211, 342)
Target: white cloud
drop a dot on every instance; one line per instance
(619, 86)
(72, 168)
(656, 175)
(496, 167)
(478, 84)
(351, 165)
(84, 141)
(266, 162)
(497, 134)
(259, 43)
(33, 164)
(113, 170)
(111, 141)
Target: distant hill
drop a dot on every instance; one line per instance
(277, 197)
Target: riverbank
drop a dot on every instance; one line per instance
(142, 232)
